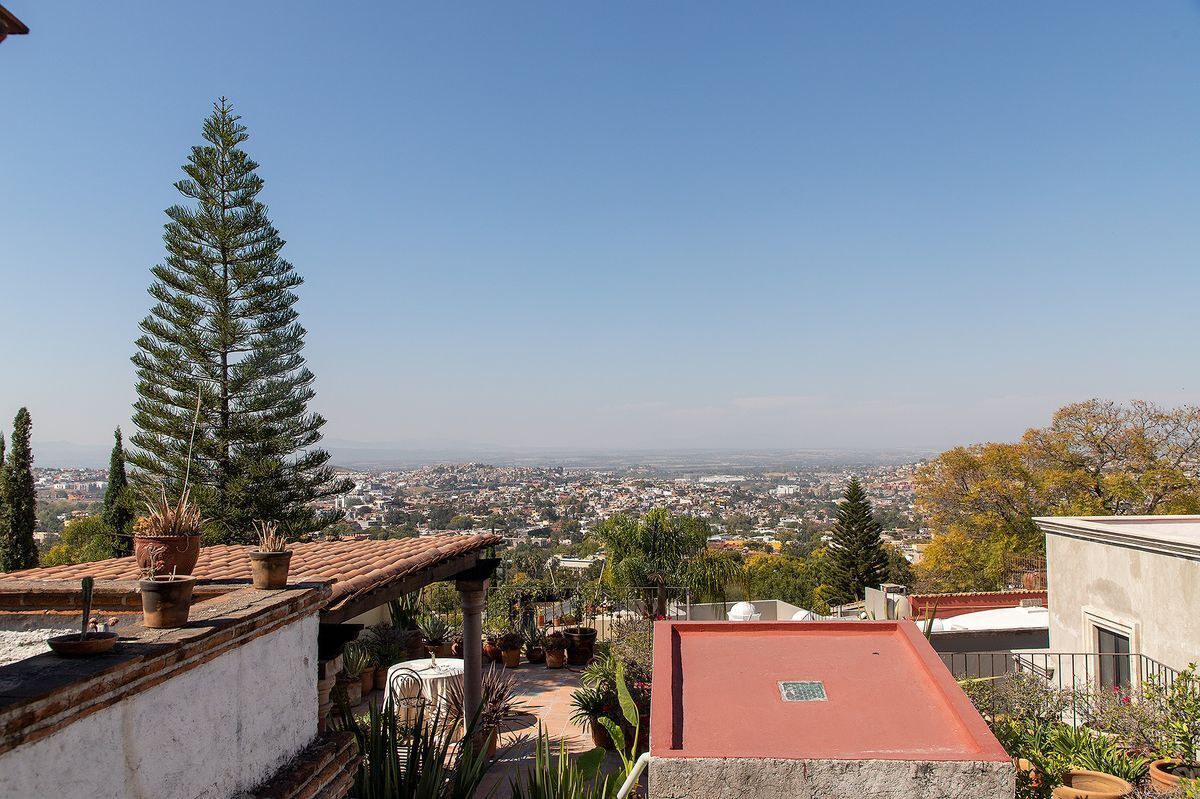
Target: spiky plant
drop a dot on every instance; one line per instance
(164, 517)
(269, 538)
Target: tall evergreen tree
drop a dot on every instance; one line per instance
(19, 550)
(857, 558)
(3, 501)
(118, 510)
(223, 330)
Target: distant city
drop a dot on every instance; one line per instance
(749, 506)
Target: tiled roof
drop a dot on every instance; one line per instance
(354, 567)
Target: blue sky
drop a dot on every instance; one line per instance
(631, 224)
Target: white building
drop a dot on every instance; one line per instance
(1124, 584)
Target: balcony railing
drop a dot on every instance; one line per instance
(1080, 676)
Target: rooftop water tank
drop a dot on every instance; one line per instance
(743, 611)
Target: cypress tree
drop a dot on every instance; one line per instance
(857, 559)
(223, 330)
(3, 501)
(19, 550)
(118, 514)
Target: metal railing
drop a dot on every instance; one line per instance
(603, 608)
(1078, 677)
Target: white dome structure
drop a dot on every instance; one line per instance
(743, 611)
(804, 615)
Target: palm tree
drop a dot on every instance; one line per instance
(661, 550)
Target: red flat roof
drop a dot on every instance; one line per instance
(717, 693)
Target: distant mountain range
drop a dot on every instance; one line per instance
(386, 455)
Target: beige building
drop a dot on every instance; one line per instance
(1121, 587)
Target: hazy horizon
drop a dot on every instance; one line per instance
(630, 227)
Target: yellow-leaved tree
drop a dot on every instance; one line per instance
(1095, 458)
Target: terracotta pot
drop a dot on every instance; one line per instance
(72, 646)
(556, 658)
(512, 658)
(491, 652)
(600, 736)
(380, 677)
(1081, 784)
(166, 602)
(353, 691)
(581, 643)
(166, 554)
(367, 681)
(443, 650)
(269, 570)
(1161, 779)
(493, 743)
(535, 655)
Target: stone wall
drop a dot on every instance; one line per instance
(210, 710)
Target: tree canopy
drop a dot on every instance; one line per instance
(1095, 457)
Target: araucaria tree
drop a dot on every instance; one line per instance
(857, 558)
(223, 333)
(118, 507)
(18, 550)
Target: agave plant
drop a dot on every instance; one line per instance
(434, 629)
(424, 760)
(356, 658)
(563, 778)
(498, 702)
(405, 610)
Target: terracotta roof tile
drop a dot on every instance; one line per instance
(352, 566)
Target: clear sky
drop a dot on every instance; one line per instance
(630, 224)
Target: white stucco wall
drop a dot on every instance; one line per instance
(210, 732)
(1153, 595)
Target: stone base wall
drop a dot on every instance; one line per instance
(763, 778)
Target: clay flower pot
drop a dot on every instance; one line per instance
(367, 681)
(536, 655)
(72, 645)
(353, 688)
(581, 642)
(1163, 778)
(556, 658)
(166, 554)
(269, 570)
(491, 652)
(166, 601)
(1081, 784)
(600, 737)
(512, 658)
(381, 677)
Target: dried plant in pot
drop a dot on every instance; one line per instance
(167, 539)
(84, 642)
(269, 563)
(166, 600)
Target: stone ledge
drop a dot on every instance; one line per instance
(114, 595)
(324, 770)
(44, 693)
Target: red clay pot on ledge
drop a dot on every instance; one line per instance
(166, 601)
(166, 554)
(269, 570)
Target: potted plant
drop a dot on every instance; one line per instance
(359, 658)
(491, 647)
(1083, 784)
(588, 704)
(1178, 706)
(498, 705)
(350, 680)
(535, 651)
(555, 645)
(269, 563)
(581, 644)
(83, 643)
(436, 633)
(167, 539)
(510, 649)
